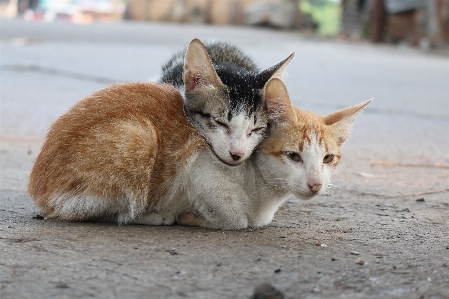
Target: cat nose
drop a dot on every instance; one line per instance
(235, 157)
(314, 188)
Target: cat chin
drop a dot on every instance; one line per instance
(225, 162)
(232, 164)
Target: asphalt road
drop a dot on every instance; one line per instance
(46, 68)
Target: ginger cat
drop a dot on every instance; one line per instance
(128, 154)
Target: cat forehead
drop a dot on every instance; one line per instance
(244, 120)
(242, 87)
(309, 137)
(306, 131)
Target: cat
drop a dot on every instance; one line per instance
(222, 90)
(128, 154)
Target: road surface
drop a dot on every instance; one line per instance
(382, 233)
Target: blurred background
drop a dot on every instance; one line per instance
(420, 23)
(55, 52)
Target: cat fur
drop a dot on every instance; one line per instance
(222, 90)
(128, 154)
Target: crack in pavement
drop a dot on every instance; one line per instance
(57, 72)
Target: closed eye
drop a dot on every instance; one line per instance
(202, 114)
(257, 131)
(221, 124)
(294, 156)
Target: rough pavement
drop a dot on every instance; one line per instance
(355, 243)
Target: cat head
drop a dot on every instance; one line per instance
(302, 149)
(225, 103)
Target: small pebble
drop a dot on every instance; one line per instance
(360, 261)
(266, 291)
(62, 286)
(354, 252)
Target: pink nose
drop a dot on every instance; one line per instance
(314, 188)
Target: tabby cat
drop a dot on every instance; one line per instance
(223, 96)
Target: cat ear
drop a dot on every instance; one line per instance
(198, 68)
(276, 71)
(277, 101)
(341, 121)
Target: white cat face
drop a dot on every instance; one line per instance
(302, 148)
(234, 140)
(304, 173)
(224, 101)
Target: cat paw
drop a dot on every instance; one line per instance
(50, 215)
(190, 219)
(186, 219)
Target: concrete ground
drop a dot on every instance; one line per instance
(383, 233)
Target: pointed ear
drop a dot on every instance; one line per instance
(276, 71)
(277, 101)
(198, 69)
(341, 121)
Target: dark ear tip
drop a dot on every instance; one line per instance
(289, 58)
(265, 75)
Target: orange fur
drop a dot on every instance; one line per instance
(128, 154)
(294, 128)
(125, 139)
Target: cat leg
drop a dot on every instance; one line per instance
(156, 218)
(225, 210)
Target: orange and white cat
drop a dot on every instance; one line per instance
(128, 154)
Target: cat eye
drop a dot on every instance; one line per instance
(202, 114)
(221, 124)
(257, 131)
(328, 158)
(294, 156)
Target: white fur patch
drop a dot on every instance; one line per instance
(84, 207)
(237, 139)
